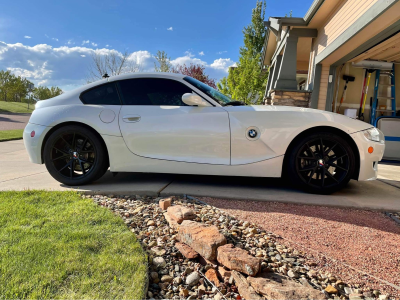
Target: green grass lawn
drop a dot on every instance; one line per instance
(9, 135)
(15, 107)
(59, 245)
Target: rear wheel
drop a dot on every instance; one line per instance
(74, 155)
(321, 163)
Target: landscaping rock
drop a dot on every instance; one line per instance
(244, 288)
(356, 296)
(165, 203)
(159, 262)
(183, 292)
(166, 278)
(202, 238)
(193, 279)
(186, 251)
(274, 286)
(238, 259)
(224, 274)
(172, 223)
(158, 251)
(212, 276)
(331, 290)
(158, 234)
(180, 213)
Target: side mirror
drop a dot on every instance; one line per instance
(194, 100)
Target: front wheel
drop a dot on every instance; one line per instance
(321, 163)
(74, 155)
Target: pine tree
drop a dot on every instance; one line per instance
(247, 82)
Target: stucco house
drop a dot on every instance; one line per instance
(307, 57)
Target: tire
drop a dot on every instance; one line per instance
(75, 155)
(320, 169)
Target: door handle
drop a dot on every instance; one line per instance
(131, 118)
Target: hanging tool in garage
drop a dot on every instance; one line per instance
(364, 94)
(347, 79)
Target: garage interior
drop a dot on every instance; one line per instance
(382, 64)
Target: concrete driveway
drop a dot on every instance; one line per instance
(17, 173)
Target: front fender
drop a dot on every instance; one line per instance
(278, 126)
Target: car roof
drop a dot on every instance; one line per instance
(146, 74)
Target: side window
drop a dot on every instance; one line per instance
(105, 94)
(152, 91)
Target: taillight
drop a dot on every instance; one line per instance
(33, 133)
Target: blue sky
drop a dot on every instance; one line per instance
(50, 41)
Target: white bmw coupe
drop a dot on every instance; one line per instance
(170, 123)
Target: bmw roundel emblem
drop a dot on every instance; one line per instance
(252, 133)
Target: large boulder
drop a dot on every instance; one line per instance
(180, 213)
(202, 238)
(275, 286)
(238, 259)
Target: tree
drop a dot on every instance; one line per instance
(43, 92)
(112, 63)
(13, 88)
(163, 61)
(195, 71)
(247, 82)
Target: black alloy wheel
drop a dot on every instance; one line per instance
(74, 155)
(322, 163)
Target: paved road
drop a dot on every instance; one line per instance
(17, 173)
(12, 121)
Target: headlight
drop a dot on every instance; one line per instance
(375, 135)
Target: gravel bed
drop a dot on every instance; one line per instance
(172, 276)
(347, 242)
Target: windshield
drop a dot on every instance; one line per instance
(213, 93)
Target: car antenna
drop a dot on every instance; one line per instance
(105, 75)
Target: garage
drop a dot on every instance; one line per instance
(352, 49)
(366, 89)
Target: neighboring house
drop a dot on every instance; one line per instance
(308, 56)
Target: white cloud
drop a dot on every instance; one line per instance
(170, 28)
(27, 37)
(221, 52)
(67, 66)
(55, 39)
(201, 53)
(189, 53)
(217, 69)
(70, 42)
(107, 45)
(222, 64)
(89, 42)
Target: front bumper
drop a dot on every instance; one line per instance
(34, 144)
(368, 161)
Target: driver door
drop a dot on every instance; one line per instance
(155, 123)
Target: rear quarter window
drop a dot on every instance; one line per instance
(105, 94)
